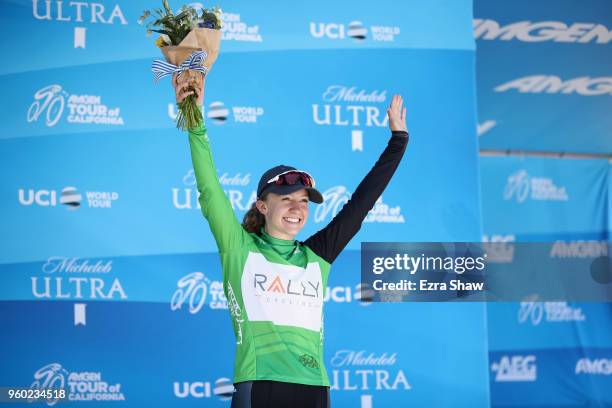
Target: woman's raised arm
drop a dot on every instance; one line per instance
(215, 206)
(331, 240)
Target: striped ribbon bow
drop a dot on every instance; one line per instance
(194, 62)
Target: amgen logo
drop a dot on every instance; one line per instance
(552, 84)
(527, 31)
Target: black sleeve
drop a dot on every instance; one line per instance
(331, 240)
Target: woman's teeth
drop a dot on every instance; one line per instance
(292, 220)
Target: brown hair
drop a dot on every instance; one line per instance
(253, 220)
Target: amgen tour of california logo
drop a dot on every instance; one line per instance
(234, 28)
(51, 102)
(192, 291)
(550, 312)
(70, 197)
(355, 29)
(334, 199)
(351, 107)
(521, 186)
(80, 386)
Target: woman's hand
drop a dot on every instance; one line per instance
(397, 114)
(185, 86)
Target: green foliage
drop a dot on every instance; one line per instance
(177, 26)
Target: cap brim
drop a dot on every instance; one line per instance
(313, 194)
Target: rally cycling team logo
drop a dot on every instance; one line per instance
(51, 102)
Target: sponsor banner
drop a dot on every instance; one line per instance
(177, 280)
(148, 166)
(541, 191)
(524, 105)
(360, 368)
(531, 325)
(533, 377)
(90, 31)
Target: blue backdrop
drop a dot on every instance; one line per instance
(101, 221)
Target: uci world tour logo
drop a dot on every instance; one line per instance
(51, 102)
(218, 113)
(70, 197)
(223, 388)
(355, 30)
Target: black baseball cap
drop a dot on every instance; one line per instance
(264, 187)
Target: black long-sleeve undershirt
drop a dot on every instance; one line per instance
(331, 240)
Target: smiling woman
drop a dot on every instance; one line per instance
(274, 283)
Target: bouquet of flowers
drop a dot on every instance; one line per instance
(190, 42)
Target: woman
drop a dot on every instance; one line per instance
(275, 284)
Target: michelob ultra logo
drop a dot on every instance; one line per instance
(75, 278)
(351, 107)
(541, 31)
(515, 368)
(78, 12)
(235, 186)
(362, 370)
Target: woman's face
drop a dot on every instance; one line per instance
(286, 214)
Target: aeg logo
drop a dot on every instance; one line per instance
(515, 368)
